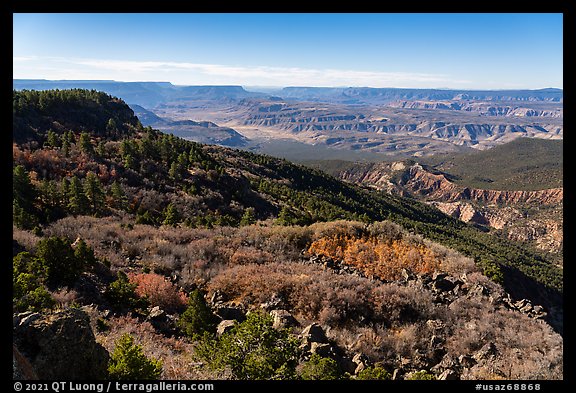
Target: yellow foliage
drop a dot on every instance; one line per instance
(384, 259)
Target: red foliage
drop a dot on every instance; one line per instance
(159, 291)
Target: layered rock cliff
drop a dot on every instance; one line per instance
(504, 210)
(437, 187)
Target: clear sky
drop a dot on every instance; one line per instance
(465, 51)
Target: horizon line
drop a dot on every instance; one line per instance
(244, 86)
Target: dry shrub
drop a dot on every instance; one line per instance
(247, 255)
(386, 231)
(159, 291)
(65, 297)
(177, 355)
(315, 294)
(384, 259)
(527, 348)
(353, 229)
(25, 238)
(452, 262)
(283, 242)
(397, 304)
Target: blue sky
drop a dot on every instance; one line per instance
(466, 51)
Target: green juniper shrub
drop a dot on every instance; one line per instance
(128, 362)
(198, 317)
(422, 375)
(373, 373)
(320, 368)
(252, 350)
(121, 294)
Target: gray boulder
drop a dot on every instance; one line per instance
(225, 326)
(314, 333)
(282, 319)
(60, 345)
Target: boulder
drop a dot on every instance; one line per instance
(216, 298)
(21, 367)
(449, 375)
(161, 321)
(274, 302)
(447, 362)
(156, 313)
(347, 365)
(314, 333)
(435, 324)
(282, 319)
(231, 312)
(361, 361)
(225, 326)
(466, 361)
(407, 275)
(60, 345)
(435, 342)
(322, 349)
(478, 291)
(441, 282)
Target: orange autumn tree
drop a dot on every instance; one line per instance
(384, 259)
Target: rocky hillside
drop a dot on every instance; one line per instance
(398, 177)
(183, 257)
(533, 216)
(429, 314)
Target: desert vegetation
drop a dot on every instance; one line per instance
(385, 318)
(199, 262)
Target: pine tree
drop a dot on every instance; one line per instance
(285, 217)
(249, 217)
(84, 254)
(64, 191)
(197, 318)
(118, 195)
(94, 192)
(66, 147)
(111, 127)
(171, 216)
(101, 149)
(57, 257)
(77, 201)
(85, 143)
(129, 161)
(176, 171)
(23, 191)
(52, 139)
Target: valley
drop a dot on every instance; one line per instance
(381, 271)
(384, 122)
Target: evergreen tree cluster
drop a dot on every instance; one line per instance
(34, 113)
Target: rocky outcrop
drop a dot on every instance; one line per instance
(399, 178)
(541, 229)
(60, 345)
(482, 108)
(492, 208)
(438, 187)
(21, 367)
